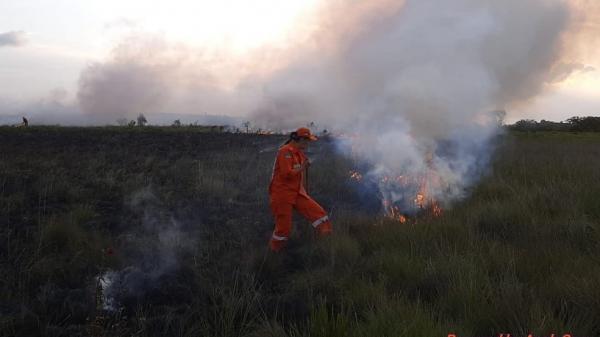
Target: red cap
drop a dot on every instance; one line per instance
(305, 133)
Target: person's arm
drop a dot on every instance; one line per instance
(285, 160)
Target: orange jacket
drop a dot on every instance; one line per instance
(286, 183)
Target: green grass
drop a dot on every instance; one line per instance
(519, 255)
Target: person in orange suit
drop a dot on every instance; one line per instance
(287, 190)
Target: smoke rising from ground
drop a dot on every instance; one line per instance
(417, 85)
(150, 253)
(413, 81)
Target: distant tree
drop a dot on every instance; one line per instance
(575, 121)
(545, 125)
(177, 123)
(572, 124)
(122, 121)
(525, 125)
(131, 123)
(141, 120)
(246, 124)
(584, 123)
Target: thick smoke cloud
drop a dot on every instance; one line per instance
(148, 74)
(54, 108)
(584, 33)
(412, 81)
(563, 71)
(12, 39)
(417, 85)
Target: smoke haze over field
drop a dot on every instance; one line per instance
(151, 251)
(405, 76)
(153, 71)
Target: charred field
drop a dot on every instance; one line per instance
(162, 231)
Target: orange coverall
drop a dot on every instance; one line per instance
(287, 191)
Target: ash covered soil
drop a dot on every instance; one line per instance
(173, 224)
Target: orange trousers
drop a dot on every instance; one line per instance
(307, 207)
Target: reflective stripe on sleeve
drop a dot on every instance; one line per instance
(320, 221)
(279, 238)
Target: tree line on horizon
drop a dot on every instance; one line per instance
(573, 124)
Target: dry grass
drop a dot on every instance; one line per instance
(520, 255)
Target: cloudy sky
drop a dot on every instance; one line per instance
(45, 45)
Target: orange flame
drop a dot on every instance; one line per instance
(355, 175)
(394, 213)
(424, 201)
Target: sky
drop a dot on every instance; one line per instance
(58, 38)
(45, 45)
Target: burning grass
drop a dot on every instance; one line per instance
(403, 197)
(186, 218)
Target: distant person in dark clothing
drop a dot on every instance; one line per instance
(24, 124)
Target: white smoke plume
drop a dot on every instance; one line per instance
(413, 82)
(563, 71)
(150, 75)
(153, 253)
(415, 85)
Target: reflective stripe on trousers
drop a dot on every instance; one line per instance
(279, 238)
(320, 221)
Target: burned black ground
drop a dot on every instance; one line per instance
(185, 215)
